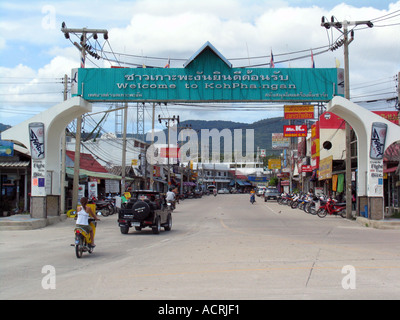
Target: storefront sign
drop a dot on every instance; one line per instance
(279, 141)
(306, 168)
(6, 148)
(325, 168)
(274, 164)
(295, 131)
(299, 112)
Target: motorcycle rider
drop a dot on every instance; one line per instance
(171, 197)
(252, 196)
(83, 218)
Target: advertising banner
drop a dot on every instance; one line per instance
(36, 137)
(378, 137)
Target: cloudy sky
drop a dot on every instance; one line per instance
(34, 55)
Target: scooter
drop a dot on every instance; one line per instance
(252, 198)
(83, 240)
(171, 204)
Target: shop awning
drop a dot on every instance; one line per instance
(14, 164)
(390, 170)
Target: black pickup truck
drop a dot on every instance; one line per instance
(144, 209)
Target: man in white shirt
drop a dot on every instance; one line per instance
(170, 195)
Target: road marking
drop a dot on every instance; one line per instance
(278, 268)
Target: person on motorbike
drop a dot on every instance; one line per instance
(83, 216)
(170, 196)
(252, 196)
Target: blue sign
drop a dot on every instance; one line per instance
(6, 148)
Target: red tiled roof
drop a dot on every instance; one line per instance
(87, 162)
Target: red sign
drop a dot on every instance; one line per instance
(299, 112)
(392, 116)
(306, 168)
(171, 153)
(295, 131)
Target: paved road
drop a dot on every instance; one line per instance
(219, 248)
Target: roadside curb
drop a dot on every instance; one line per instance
(25, 222)
(379, 224)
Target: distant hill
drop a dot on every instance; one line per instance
(263, 130)
(4, 127)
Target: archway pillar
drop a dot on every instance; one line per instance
(46, 171)
(370, 170)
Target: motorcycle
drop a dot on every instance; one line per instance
(332, 207)
(83, 240)
(105, 207)
(314, 204)
(171, 204)
(252, 198)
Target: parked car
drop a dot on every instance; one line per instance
(223, 191)
(260, 191)
(271, 193)
(145, 209)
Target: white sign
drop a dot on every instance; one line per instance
(92, 189)
(378, 137)
(36, 137)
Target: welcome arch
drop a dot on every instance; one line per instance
(370, 169)
(206, 77)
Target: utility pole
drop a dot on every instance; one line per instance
(86, 34)
(152, 154)
(338, 25)
(63, 154)
(123, 167)
(173, 119)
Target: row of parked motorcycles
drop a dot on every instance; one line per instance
(320, 205)
(106, 206)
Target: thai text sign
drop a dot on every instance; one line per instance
(299, 112)
(325, 168)
(295, 131)
(274, 164)
(188, 85)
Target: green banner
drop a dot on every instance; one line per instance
(208, 77)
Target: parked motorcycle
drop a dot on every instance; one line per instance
(332, 207)
(103, 206)
(83, 240)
